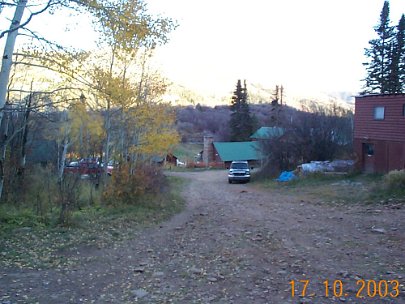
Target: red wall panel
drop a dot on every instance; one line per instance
(391, 128)
(387, 135)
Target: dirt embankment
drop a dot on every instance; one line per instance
(236, 244)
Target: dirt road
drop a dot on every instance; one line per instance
(236, 244)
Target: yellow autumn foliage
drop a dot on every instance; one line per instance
(153, 125)
(86, 129)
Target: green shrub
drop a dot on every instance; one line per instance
(11, 217)
(395, 180)
(40, 189)
(131, 188)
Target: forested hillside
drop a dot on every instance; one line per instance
(195, 121)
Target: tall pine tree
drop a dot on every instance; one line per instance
(241, 122)
(380, 55)
(397, 64)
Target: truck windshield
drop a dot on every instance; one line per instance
(239, 166)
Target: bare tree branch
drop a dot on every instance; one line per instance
(22, 25)
(3, 3)
(10, 138)
(46, 92)
(67, 73)
(42, 39)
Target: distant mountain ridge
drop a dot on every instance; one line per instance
(178, 94)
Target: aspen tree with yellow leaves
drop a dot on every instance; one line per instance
(86, 129)
(129, 34)
(107, 103)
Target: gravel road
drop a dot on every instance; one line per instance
(236, 244)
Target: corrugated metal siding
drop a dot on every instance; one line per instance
(387, 155)
(267, 133)
(396, 156)
(380, 154)
(230, 151)
(392, 128)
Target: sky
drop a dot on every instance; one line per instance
(308, 46)
(311, 46)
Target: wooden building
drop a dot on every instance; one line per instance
(227, 152)
(221, 154)
(379, 132)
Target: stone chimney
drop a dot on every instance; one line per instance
(208, 154)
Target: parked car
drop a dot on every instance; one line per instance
(72, 167)
(239, 172)
(86, 167)
(110, 168)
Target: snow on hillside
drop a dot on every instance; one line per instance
(180, 95)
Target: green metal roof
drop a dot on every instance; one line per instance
(267, 133)
(246, 150)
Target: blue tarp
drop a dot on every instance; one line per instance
(286, 176)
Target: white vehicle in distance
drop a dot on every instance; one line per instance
(239, 172)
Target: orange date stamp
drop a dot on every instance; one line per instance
(337, 288)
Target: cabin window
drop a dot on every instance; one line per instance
(368, 149)
(379, 113)
(403, 110)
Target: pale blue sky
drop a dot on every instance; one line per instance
(312, 45)
(308, 46)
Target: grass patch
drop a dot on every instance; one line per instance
(352, 188)
(391, 187)
(187, 151)
(11, 218)
(26, 242)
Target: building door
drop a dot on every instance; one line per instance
(368, 158)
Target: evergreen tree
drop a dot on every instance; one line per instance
(241, 122)
(397, 65)
(380, 55)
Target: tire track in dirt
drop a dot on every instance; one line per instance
(233, 244)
